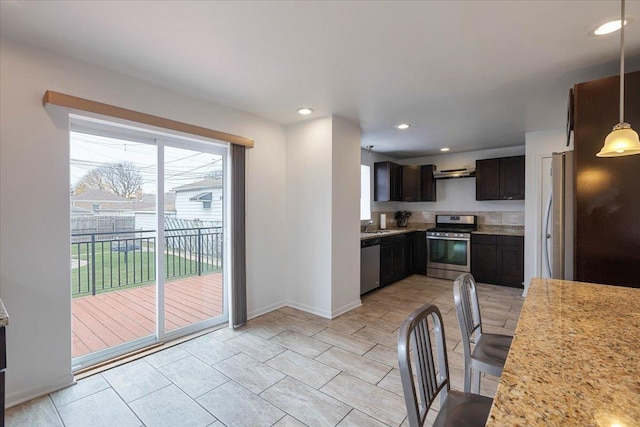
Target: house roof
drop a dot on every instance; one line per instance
(205, 183)
(99, 196)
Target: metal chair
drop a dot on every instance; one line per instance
(490, 350)
(416, 357)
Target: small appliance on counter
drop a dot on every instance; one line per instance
(449, 246)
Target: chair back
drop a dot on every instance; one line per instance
(416, 356)
(468, 309)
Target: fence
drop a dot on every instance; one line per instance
(102, 224)
(114, 260)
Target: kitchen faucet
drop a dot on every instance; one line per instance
(367, 226)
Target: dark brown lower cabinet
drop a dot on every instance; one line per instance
(400, 256)
(498, 259)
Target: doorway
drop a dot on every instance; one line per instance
(147, 237)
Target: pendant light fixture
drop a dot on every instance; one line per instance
(622, 141)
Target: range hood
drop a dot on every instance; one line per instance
(455, 173)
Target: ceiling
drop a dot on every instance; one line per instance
(467, 75)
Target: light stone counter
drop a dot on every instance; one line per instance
(387, 232)
(575, 358)
(4, 317)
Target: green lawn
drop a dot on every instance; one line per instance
(119, 270)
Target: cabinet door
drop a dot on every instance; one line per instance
(410, 183)
(396, 181)
(488, 179)
(400, 257)
(420, 253)
(484, 262)
(427, 184)
(386, 263)
(512, 178)
(387, 182)
(510, 261)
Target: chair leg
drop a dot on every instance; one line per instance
(476, 381)
(467, 377)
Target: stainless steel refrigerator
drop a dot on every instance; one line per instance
(558, 234)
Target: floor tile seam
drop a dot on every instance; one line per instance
(306, 336)
(348, 404)
(316, 389)
(341, 371)
(120, 397)
(173, 361)
(208, 364)
(55, 408)
(239, 385)
(339, 346)
(184, 391)
(74, 400)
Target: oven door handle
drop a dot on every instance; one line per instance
(449, 238)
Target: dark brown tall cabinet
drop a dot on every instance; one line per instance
(607, 202)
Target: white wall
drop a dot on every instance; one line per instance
(323, 192)
(538, 145)
(34, 175)
(309, 203)
(452, 194)
(345, 216)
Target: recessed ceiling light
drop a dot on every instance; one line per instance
(305, 111)
(610, 26)
(403, 126)
(444, 149)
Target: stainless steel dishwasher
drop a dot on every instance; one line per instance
(369, 265)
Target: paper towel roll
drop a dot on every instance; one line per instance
(383, 221)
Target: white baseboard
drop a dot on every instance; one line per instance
(14, 398)
(265, 310)
(306, 308)
(348, 307)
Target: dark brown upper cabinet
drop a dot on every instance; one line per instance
(387, 182)
(500, 179)
(418, 184)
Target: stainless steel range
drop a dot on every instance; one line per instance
(449, 246)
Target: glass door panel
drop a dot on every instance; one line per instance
(193, 236)
(113, 234)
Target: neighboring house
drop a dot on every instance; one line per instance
(103, 203)
(200, 200)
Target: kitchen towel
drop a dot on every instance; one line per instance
(383, 221)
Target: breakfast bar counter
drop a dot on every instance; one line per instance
(574, 360)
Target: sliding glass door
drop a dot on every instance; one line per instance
(141, 274)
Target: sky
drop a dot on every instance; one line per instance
(181, 166)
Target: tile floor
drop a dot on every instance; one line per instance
(285, 368)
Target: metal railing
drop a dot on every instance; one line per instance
(114, 260)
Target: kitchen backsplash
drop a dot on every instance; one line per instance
(487, 220)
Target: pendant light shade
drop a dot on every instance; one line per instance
(622, 141)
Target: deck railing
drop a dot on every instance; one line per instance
(114, 260)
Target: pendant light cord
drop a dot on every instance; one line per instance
(622, 63)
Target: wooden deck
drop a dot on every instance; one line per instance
(109, 319)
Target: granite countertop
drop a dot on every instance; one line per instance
(574, 358)
(387, 232)
(4, 316)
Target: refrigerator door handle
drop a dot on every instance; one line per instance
(547, 235)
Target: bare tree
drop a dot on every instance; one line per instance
(121, 178)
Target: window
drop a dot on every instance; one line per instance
(365, 192)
